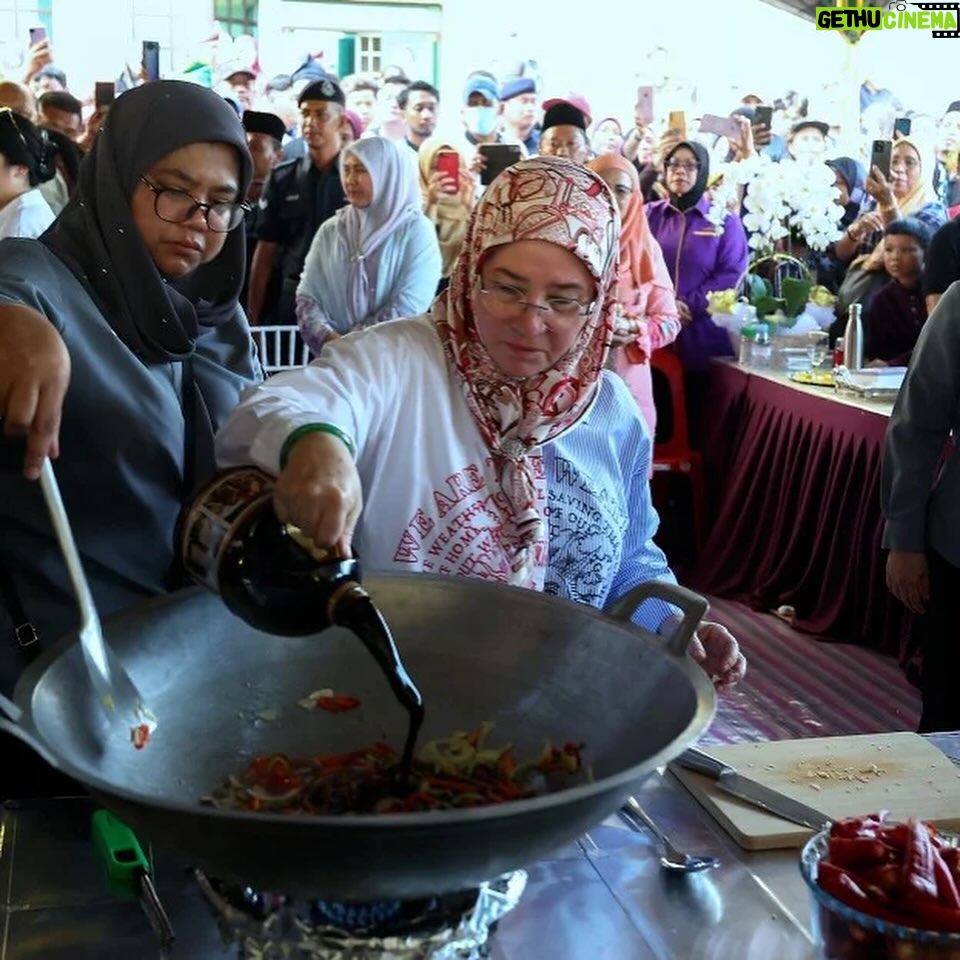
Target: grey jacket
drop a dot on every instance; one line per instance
(922, 506)
(122, 455)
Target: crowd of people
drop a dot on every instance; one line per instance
(486, 300)
(377, 259)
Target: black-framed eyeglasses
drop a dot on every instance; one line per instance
(508, 301)
(178, 206)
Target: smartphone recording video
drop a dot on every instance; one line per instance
(151, 60)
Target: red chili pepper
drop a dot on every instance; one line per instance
(951, 857)
(273, 772)
(918, 882)
(933, 916)
(876, 893)
(946, 887)
(857, 851)
(885, 877)
(841, 885)
(337, 704)
(417, 800)
(139, 736)
(896, 837)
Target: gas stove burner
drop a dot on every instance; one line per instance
(384, 918)
(367, 918)
(453, 926)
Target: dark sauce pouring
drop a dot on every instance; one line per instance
(272, 577)
(358, 613)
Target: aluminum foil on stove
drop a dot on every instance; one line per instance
(286, 935)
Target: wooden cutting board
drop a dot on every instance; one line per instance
(840, 776)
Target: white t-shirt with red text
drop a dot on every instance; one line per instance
(431, 500)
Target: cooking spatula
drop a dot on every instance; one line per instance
(116, 693)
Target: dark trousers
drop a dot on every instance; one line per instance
(940, 649)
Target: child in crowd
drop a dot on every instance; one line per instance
(898, 312)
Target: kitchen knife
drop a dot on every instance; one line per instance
(728, 780)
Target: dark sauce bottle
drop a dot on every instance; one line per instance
(278, 581)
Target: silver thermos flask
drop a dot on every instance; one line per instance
(853, 339)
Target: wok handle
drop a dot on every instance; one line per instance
(694, 609)
(10, 717)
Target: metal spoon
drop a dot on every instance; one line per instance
(116, 693)
(670, 858)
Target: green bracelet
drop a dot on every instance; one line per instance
(301, 432)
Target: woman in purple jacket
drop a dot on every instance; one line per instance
(700, 258)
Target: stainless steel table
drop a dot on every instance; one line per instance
(603, 898)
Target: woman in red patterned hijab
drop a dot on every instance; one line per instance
(484, 439)
(530, 372)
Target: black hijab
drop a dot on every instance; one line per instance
(692, 197)
(97, 239)
(28, 146)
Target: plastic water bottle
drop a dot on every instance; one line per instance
(748, 333)
(762, 350)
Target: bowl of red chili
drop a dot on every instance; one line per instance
(882, 890)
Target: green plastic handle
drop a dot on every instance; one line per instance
(121, 853)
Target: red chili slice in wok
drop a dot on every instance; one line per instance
(337, 704)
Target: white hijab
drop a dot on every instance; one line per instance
(362, 232)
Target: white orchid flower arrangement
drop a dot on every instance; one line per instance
(778, 198)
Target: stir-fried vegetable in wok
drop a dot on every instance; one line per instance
(450, 773)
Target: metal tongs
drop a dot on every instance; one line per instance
(117, 694)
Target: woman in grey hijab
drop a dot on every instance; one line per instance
(122, 349)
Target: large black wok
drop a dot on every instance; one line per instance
(536, 666)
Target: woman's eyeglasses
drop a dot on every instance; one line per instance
(682, 166)
(178, 206)
(507, 302)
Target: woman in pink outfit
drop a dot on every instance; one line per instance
(648, 315)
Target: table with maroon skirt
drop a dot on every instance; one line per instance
(794, 505)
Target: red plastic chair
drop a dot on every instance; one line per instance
(673, 454)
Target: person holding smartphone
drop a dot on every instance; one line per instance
(907, 192)
(47, 79)
(448, 189)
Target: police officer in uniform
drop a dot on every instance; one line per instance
(297, 198)
(265, 133)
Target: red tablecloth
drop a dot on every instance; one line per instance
(796, 514)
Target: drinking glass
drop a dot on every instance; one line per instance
(817, 347)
